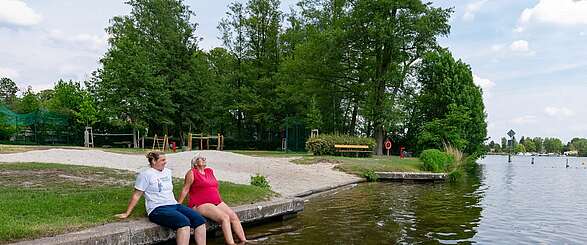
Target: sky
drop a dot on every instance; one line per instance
(528, 56)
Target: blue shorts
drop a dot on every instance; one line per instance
(176, 216)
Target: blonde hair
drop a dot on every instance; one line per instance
(153, 156)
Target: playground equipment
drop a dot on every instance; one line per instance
(161, 144)
(205, 141)
(89, 138)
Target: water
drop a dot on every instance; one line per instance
(507, 203)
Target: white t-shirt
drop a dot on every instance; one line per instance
(158, 188)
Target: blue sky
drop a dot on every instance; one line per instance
(529, 56)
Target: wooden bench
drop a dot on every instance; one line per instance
(353, 149)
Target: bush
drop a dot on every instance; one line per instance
(435, 160)
(260, 181)
(324, 143)
(370, 175)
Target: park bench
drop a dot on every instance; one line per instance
(357, 149)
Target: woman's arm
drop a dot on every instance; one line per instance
(189, 179)
(134, 199)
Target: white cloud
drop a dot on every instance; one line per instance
(519, 46)
(472, 8)
(559, 112)
(524, 120)
(80, 41)
(17, 13)
(8, 72)
(497, 47)
(485, 84)
(519, 29)
(562, 12)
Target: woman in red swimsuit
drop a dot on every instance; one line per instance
(202, 187)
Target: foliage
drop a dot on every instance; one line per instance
(579, 145)
(370, 175)
(552, 145)
(260, 181)
(8, 90)
(520, 148)
(435, 160)
(324, 143)
(450, 105)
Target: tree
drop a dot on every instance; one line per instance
(29, 102)
(504, 143)
(8, 90)
(553, 145)
(65, 98)
(539, 144)
(529, 145)
(87, 114)
(147, 71)
(446, 82)
(579, 145)
(520, 148)
(393, 36)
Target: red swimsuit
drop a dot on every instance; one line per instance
(204, 189)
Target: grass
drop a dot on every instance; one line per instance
(40, 199)
(359, 166)
(272, 153)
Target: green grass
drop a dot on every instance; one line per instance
(358, 166)
(272, 153)
(38, 199)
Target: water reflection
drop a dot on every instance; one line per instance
(505, 203)
(384, 213)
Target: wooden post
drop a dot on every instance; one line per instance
(189, 141)
(154, 142)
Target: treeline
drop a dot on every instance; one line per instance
(577, 146)
(360, 67)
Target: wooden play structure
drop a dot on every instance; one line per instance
(160, 144)
(205, 141)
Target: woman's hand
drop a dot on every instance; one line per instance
(121, 216)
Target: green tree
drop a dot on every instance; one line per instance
(504, 143)
(147, 72)
(87, 114)
(539, 144)
(520, 148)
(447, 82)
(29, 102)
(553, 145)
(65, 98)
(381, 31)
(8, 90)
(529, 145)
(579, 145)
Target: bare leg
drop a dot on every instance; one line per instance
(212, 212)
(234, 220)
(182, 235)
(200, 235)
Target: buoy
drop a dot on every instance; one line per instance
(532, 160)
(567, 165)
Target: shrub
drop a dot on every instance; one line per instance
(260, 181)
(324, 143)
(370, 175)
(435, 160)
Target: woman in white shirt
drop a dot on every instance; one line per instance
(162, 208)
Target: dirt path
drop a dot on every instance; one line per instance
(285, 177)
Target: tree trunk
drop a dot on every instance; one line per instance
(354, 118)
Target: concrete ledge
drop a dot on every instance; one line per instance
(400, 176)
(142, 231)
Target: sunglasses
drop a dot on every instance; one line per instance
(201, 158)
